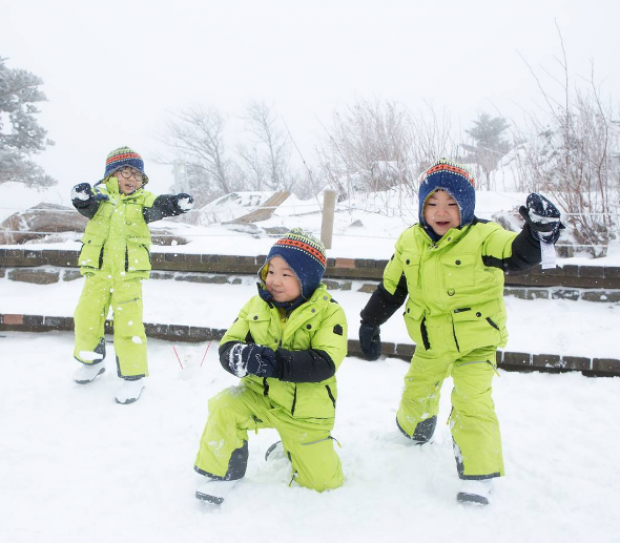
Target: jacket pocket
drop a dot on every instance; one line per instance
(416, 325)
(91, 255)
(138, 256)
(479, 327)
(411, 269)
(315, 400)
(459, 271)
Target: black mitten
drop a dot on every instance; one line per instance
(543, 218)
(370, 341)
(183, 201)
(252, 358)
(82, 192)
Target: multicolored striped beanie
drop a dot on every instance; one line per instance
(121, 157)
(305, 255)
(456, 181)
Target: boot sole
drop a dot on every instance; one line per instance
(209, 499)
(475, 499)
(86, 381)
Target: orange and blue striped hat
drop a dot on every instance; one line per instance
(304, 254)
(121, 157)
(456, 181)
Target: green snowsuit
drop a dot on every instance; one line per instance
(311, 344)
(115, 258)
(455, 313)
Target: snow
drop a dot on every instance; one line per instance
(76, 466)
(79, 467)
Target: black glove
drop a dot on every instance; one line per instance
(252, 358)
(100, 197)
(82, 192)
(370, 341)
(543, 218)
(183, 201)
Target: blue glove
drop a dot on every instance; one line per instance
(252, 358)
(543, 218)
(370, 341)
(183, 201)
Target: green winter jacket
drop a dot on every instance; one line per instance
(455, 286)
(117, 238)
(310, 345)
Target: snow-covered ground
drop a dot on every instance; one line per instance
(75, 466)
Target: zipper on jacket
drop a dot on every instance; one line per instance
(424, 332)
(101, 257)
(455, 340)
(493, 324)
(126, 258)
(331, 396)
(265, 387)
(294, 401)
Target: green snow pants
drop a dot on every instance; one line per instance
(124, 295)
(473, 422)
(307, 442)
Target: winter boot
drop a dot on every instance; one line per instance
(87, 373)
(275, 452)
(475, 491)
(215, 491)
(130, 390)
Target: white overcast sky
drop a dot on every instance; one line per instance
(114, 70)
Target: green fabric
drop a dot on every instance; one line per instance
(119, 229)
(473, 422)
(125, 297)
(450, 288)
(311, 325)
(308, 444)
(302, 413)
(115, 258)
(455, 314)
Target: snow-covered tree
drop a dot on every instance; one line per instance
(267, 156)
(489, 144)
(21, 136)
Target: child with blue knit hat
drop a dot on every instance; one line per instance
(285, 345)
(449, 269)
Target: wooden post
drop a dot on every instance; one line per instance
(327, 227)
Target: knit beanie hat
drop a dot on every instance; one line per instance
(456, 181)
(304, 254)
(121, 157)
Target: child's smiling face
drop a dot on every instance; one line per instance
(441, 212)
(281, 281)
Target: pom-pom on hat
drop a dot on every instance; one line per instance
(121, 157)
(304, 254)
(456, 181)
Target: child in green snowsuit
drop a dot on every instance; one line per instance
(115, 258)
(450, 270)
(286, 345)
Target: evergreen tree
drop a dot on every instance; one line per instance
(20, 133)
(489, 144)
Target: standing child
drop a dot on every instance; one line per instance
(451, 267)
(286, 345)
(115, 258)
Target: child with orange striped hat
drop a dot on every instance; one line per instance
(285, 345)
(449, 268)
